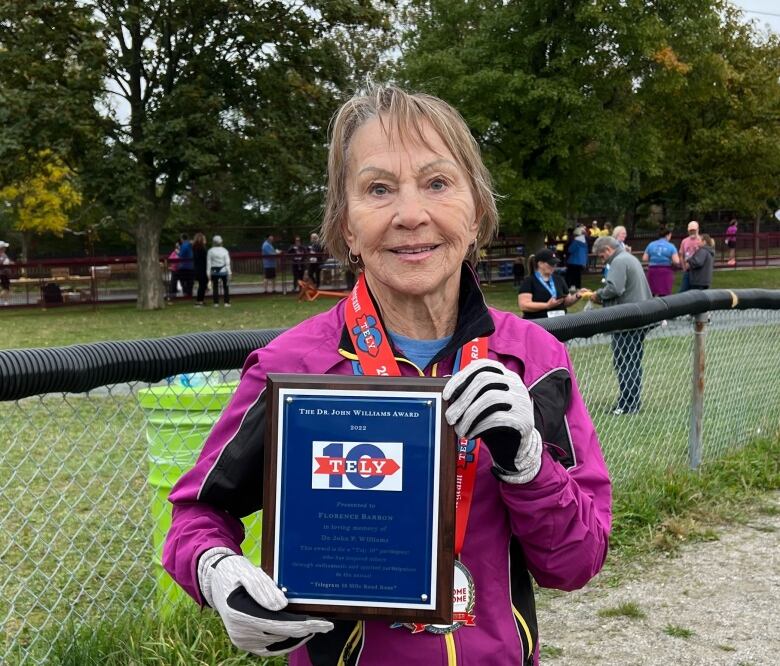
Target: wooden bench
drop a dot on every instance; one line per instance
(309, 292)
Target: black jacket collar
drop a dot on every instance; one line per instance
(474, 319)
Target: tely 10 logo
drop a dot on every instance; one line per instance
(357, 465)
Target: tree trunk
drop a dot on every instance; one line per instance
(631, 220)
(534, 241)
(150, 281)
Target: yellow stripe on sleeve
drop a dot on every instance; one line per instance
(525, 629)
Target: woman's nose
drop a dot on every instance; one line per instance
(411, 209)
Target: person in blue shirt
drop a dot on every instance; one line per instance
(661, 257)
(185, 270)
(577, 257)
(269, 264)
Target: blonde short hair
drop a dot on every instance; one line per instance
(402, 114)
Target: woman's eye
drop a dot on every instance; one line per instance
(438, 184)
(377, 188)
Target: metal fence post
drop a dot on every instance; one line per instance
(697, 393)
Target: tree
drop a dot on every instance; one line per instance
(199, 95)
(712, 98)
(42, 202)
(605, 104)
(546, 87)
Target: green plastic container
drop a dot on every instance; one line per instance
(178, 420)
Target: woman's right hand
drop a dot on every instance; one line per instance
(250, 605)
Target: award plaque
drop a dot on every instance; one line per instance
(359, 496)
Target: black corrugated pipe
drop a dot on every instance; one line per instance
(79, 368)
(655, 310)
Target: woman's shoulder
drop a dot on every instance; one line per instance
(527, 283)
(309, 347)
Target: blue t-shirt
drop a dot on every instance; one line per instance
(269, 255)
(578, 253)
(660, 252)
(185, 255)
(419, 352)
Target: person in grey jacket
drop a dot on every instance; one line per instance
(701, 263)
(624, 282)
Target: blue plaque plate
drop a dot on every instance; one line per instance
(359, 497)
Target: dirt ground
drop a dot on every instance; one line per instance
(714, 603)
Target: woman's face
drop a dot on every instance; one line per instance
(410, 212)
(620, 236)
(544, 268)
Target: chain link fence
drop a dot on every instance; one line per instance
(82, 509)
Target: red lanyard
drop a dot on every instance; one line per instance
(375, 355)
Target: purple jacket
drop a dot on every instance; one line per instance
(554, 528)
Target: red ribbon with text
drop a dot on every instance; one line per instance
(375, 355)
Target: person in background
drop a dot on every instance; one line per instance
(576, 257)
(185, 272)
(688, 248)
(701, 263)
(5, 274)
(625, 282)
(518, 267)
(661, 256)
(173, 269)
(409, 204)
(594, 232)
(619, 233)
(607, 230)
(218, 267)
(269, 264)
(315, 259)
(560, 243)
(200, 265)
(544, 293)
(731, 241)
(483, 267)
(297, 253)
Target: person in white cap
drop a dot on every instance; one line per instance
(5, 275)
(688, 248)
(218, 269)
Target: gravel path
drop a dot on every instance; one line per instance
(726, 593)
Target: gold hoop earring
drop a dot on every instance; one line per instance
(355, 261)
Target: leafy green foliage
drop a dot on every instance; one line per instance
(182, 102)
(605, 105)
(542, 85)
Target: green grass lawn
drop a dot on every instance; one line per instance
(77, 324)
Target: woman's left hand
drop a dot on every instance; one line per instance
(491, 402)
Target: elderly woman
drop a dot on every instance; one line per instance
(620, 234)
(409, 205)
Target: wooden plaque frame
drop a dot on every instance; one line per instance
(444, 541)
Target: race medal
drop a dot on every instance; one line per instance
(464, 599)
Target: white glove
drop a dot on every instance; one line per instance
(491, 402)
(250, 605)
